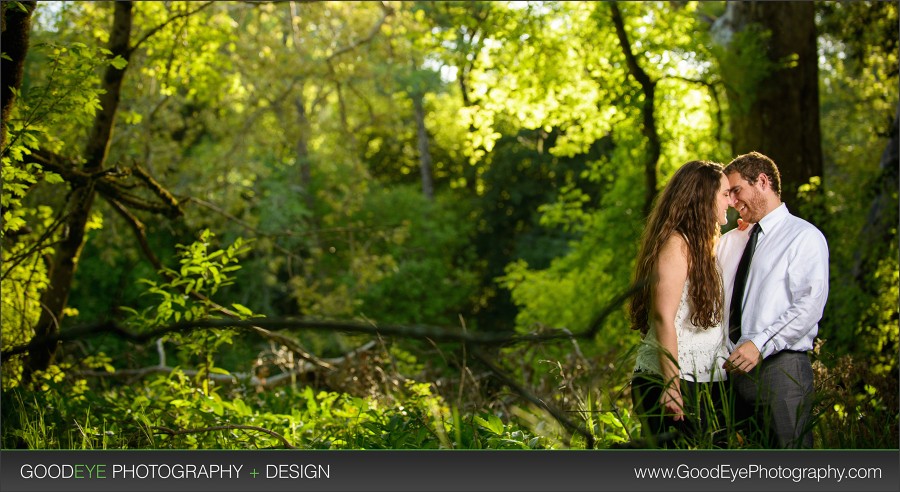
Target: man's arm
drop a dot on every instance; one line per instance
(807, 278)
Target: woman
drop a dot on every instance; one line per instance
(679, 309)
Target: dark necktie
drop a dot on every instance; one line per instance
(740, 281)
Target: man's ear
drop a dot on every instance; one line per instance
(763, 181)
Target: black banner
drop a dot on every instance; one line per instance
(495, 471)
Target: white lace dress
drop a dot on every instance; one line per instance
(701, 351)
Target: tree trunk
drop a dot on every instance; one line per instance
(15, 31)
(425, 162)
(302, 150)
(65, 259)
(648, 126)
(880, 229)
(778, 115)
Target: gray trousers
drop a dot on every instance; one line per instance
(776, 399)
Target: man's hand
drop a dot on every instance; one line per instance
(743, 359)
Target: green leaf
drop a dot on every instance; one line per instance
(119, 62)
(241, 408)
(241, 309)
(493, 424)
(53, 178)
(180, 403)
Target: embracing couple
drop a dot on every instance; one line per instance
(727, 320)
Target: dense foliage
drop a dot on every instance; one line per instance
(370, 191)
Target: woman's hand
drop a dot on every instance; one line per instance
(671, 402)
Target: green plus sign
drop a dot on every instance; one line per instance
(254, 473)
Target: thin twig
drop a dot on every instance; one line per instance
(387, 11)
(555, 412)
(173, 432)
(156, 29)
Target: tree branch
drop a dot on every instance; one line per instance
(110, 191)
(172, 432)
(233, 378)
(387, 11)
(648, 86)
(139, 231)
(157, 189)
(711, 88)
(106, 184)
(118, 199)
(168, 21)
(263, 326)
(555, 412)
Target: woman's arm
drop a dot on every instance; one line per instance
(672, 270)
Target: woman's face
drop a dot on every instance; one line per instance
(723, 200)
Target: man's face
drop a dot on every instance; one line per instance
(747, 198)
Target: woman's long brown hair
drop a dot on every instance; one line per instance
(686, 206)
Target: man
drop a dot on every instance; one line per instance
(774, 316)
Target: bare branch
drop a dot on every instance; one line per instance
(106, 183)
(223, 213)
(65, 167)
(168, 21)
(233, 378)
(648, 127)
(118, 199)
(711, 88)
(139, 231)
(555, 412)
(156, 188)
(111, 191)
(387, 11)
(288, 342)
(41, 243)
(263, 326)
(172, 432)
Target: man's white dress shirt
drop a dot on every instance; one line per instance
(787, 284)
